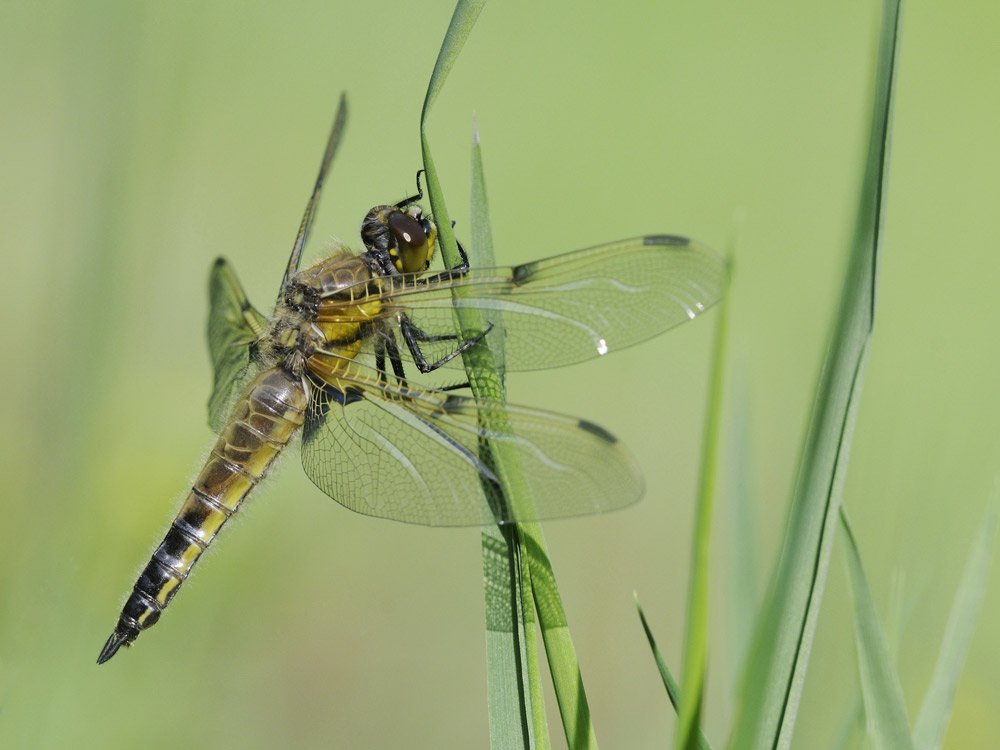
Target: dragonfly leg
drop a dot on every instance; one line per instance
(387, 345)
(395, 359)
(413, 198)
(380, 359)
(452, 273)
(463, 265)
(412, 335)
(455, 387)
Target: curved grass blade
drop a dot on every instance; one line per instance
(783, 637)
(696, 638)
(885, 707)
(567, 680)
(673, 691)
(508, 654)
(540, 580)
(512, 652)
(928, 733)
(853, 726)
(462, 20)
(516, 705)
(485, 369)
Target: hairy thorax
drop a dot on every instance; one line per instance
(305, 335)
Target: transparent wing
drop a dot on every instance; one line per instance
(332, 142)
(397, 451)
(563, 309)
(233, 328)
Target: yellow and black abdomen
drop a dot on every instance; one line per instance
(264, 419)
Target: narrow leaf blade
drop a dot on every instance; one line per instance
(783, 637)
(463, 18)
(928, 734)
(516, 708)
(564, 668)
(696, 638)
(673, 691)
(513, 664)
(885, 707)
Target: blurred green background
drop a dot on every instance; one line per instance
(140, 140)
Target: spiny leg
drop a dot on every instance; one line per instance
(413, 198)
(386, 345)
(456, 386)
(452, 273)
(412, 335)
(395, 359)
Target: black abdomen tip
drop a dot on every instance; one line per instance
(121, 637)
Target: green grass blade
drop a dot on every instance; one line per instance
(559, 651)
(854, 718)
(484, 366)
(518, 665)
(539, 577)
(462, 20)
(928, 734)
(783, 637)
(696, 638)
(673, 691)
(885, 708)
(513, 664)
(516, 706)
(508, 689)
(850, 729)
(539, 722)
(743, 586)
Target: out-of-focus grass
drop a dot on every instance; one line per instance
(779, 655)
(139, 141)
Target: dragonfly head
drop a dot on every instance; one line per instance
(403, 237)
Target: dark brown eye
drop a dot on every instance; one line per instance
(412, 246)
(407, 231)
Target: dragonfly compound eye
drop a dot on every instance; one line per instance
(412, 246)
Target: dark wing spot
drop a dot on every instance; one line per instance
(597, 431)
(322, 398)
(350, 396)
(665, 239)
(523, 273)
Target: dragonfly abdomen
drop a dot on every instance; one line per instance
(263, 421)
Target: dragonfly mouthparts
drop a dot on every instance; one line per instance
(118, 639)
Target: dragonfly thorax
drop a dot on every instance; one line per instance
(304, 333)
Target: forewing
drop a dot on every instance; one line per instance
(332, 142)
(570, 307)
(396, 451)
(233, 328)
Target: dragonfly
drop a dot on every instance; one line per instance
(331, 364)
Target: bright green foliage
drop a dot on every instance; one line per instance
(780, 652)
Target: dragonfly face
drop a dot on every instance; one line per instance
(333, 361)
(402, 234)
